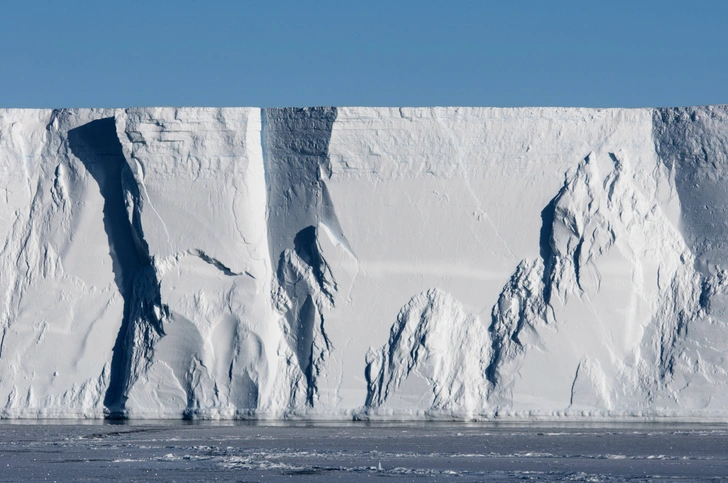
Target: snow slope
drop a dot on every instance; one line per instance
(364, 262)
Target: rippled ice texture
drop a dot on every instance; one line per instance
(357, 452)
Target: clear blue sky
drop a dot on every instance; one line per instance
(121, 53)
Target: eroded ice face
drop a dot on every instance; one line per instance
(693, 142)
(368, 262)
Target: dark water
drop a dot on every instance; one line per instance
(359, 451)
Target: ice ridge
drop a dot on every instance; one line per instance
(435, 340)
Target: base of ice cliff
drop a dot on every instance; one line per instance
(458, 263)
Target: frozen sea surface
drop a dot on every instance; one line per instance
(362, 451)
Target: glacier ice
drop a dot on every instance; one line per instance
(364, 263)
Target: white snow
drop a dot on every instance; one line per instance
(364, 262)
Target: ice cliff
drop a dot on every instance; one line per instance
(364, 263)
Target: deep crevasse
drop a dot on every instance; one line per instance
(363, 262)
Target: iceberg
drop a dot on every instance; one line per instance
(364, 263)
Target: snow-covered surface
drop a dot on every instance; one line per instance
(364, 262)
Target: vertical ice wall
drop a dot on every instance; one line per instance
(692, 143)
(96, 145)
(201, 210)
(296, 150)
(59, 275)
(366, 262)
(515, 217)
